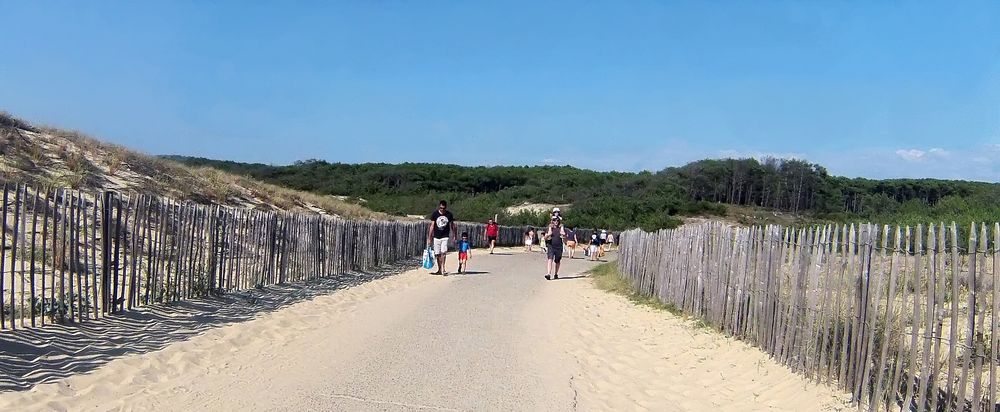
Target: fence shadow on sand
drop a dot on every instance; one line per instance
(33, 356)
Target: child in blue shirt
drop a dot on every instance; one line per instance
(463, 252)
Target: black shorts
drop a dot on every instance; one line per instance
(555, 252)
(491, 238)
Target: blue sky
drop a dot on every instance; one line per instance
(874, 89)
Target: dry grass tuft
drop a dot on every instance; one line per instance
(115, 159)
(8, 120)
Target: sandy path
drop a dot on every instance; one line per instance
(501, 339)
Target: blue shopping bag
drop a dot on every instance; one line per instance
(428, 259)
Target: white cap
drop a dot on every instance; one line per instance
(555, 209)
(604, 231)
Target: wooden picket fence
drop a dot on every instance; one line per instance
(904, 318)
(70, 256)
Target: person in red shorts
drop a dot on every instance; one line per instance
(464, 248)
(492, 231)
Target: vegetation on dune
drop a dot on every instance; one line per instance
(803, 188)
(607, 278)
(648, 200)
(745, 190)
(599, 199)
(48, 157)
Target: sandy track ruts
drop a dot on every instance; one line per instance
(500, 339)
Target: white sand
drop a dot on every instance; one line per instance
(501, 340)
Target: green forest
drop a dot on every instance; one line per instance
(651, 200)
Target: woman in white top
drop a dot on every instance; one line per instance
(592, 248)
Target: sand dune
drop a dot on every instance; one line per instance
(498, 339)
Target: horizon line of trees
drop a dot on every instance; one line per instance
(618, 200)
(796, 185)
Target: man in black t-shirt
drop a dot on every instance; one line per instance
(442, 222)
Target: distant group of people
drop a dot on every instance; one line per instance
(595, 247)
(551, 239)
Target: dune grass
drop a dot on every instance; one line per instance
(607, 278)
(53, 157)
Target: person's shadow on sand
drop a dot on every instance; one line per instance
(32, 356)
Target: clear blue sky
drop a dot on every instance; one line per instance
(875, 89)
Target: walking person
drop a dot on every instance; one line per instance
(556, 214)
(540, 240)
(492, 231)
(464, 250)
(593, 246)
(603, 238)
(442, 224)
(611, 241)
(554, 235)
(571, 241)
(529, 239)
